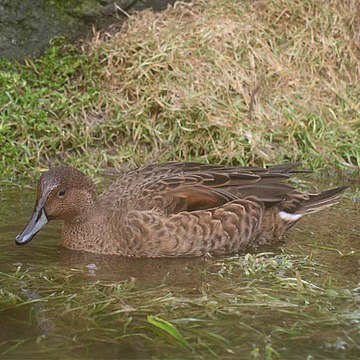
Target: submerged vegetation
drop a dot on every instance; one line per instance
(249, 307)
(214, 81)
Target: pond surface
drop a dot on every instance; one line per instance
(300, 301)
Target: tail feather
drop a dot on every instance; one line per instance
(298, 204)
(279, 219)
(321, 200)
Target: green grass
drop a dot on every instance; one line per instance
(212, 81)
(255, 306)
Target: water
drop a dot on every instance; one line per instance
(300, 301)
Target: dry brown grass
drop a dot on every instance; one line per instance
(188, 77)
(218, 81)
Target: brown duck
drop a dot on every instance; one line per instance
(174, 209)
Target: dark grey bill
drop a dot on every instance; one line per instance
(36, 223)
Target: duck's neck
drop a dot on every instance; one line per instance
(92, 232)
(87, 213)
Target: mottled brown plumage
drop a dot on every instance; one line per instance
(174, 209)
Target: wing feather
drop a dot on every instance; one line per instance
(176, 187)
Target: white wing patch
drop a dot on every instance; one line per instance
(290, 217)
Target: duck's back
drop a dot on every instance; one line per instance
(178, 187)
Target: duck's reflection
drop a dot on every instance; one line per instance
(147, 272)
(44, 323)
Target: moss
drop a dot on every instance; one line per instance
(82, 9)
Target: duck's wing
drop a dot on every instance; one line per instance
(176, 187)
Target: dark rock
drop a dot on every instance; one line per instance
(27, 26)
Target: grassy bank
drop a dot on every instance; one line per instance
(213, 81)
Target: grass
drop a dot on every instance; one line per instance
(255, 306)
(213, 81)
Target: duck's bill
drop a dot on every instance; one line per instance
(36, 223)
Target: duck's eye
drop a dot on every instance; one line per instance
(61, 193)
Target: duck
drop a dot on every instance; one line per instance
(176, 209)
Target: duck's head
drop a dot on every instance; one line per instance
(63, 193)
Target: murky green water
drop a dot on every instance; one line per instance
(301, 301)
